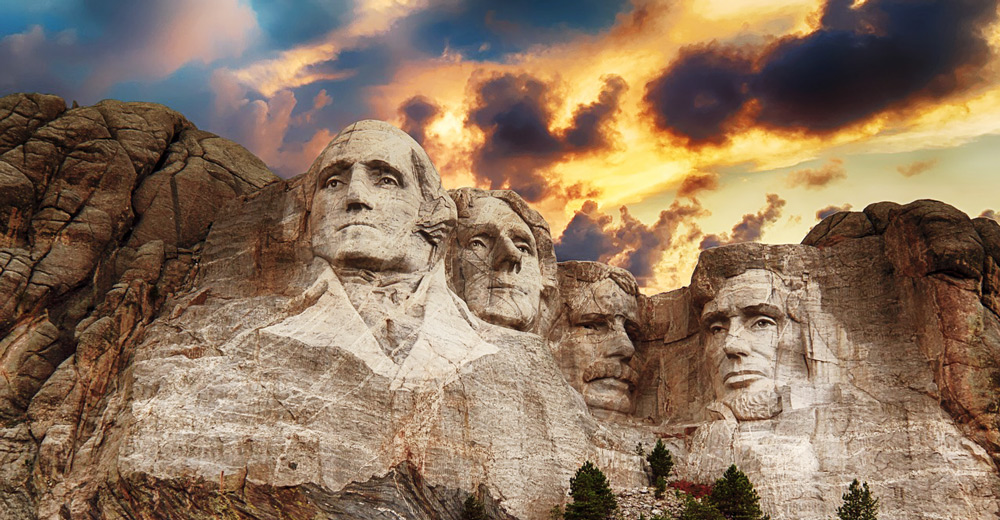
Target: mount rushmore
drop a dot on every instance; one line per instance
(185, 335)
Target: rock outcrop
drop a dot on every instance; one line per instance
(184, 335)
(104, 211)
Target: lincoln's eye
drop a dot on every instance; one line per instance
(717, 328)
(762, 322)
(388, 181)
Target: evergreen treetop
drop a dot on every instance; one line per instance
(473, 509)
(660, 461)
(858, 503)
(592, 496)
(734, 496)
(695, 510)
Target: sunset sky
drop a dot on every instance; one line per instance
(644, 131)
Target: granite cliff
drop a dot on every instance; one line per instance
(185, 335)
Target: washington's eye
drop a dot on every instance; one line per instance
(333, 182)
(388, 181)
(762, 322)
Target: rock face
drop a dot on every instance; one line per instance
(104, 212)
(848, 390)
(186, 336)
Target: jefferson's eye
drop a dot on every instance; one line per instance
(477, 243)
(388, 181)
(524, 249)
(762, 322)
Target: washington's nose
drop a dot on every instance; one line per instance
(358, 191)
(506, 256)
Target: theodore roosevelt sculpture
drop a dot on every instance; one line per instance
(592, 339)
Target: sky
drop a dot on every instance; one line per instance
(644, 131)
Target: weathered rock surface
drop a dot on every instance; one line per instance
(103, 211)
(888, 309)
(177, 342)
(946, 269)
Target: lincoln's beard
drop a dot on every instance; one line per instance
(754, 405)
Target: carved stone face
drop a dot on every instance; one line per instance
(499, 264)
(596, 348)
(743, 326)
(366, 204)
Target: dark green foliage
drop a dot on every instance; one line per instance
(556, 513)
(473, 509)
(592, 497)
(734, 496)
(858, 503)
(661, 486)
(695, 510)
(660, 461)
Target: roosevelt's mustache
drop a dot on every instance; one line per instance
(615, 368)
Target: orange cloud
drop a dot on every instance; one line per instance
(916, 168)
(814, 179)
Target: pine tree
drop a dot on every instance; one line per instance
(592, 497)
(660, 487)
(858, 503)
(473, 509)
(695, 510)
(734, 496)
(660, 461)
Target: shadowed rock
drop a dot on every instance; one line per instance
(102, 212)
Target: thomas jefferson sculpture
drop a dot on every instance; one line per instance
(502, 262)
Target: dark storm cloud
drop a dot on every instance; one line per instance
(586, 237)
(916, 168)
(881, 55)
(699, 96)
(694, 184)
(750, 227)
(831, 210)
(589, 121)
(514, 114)
(817, 178)
(418, 112)
(632, 244)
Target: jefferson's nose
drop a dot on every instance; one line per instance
(358, 190)
(506, 257)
